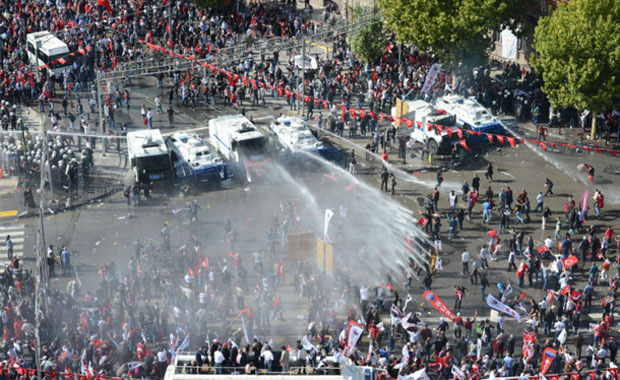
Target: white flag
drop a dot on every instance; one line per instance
(478, 348)
(562, 336)
(355, 331)
(420, 375)
(499, 306)
(507, 292)
(430, 77)
(328, 216)
(245, 330)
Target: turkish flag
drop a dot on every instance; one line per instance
(500, 138)
(362, 114)
(106, 4)
(306, 99)
(490, 137)
(543, 145)
(511, 141)
(353, 112)
(288, 93)
(170, 44)
(570, 261)
(418, 124)
(167, 28)
(438, 129)
(409, 123)
(459, 132)
(449, 130)
(464, 144)
(325, 104)
(245, 82)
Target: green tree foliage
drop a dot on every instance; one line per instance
(212, 4)
(369, 43)
(578, 54)
(456, 30)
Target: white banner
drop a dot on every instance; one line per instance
(308, 63)
(430, 77)
(456, 371)
(499, 306)
(509, 44)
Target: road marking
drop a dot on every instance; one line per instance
(6, 214)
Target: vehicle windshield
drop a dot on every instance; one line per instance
(60, 60)
(252, 147)
(154, 163)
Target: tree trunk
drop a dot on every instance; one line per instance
(593, 130)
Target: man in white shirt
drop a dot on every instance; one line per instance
(453, 199)
(540, 200)
(465, 260)
(218, 359)
(267, 357)
(484, 255)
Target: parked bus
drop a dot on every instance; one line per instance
(45, 49)
(149, 156)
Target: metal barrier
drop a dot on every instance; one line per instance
(299, 371)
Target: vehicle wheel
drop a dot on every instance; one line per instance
(433, 147)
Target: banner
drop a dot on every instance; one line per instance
(434, 300)
(430, 77)
(499, 306)
(529, 341)
(548, 355)
(562, 336)
(355, 332)
(570, 261)
(509, 44)
(458, 374)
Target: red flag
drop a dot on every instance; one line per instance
(306, 99)
(246, 310)
(254, 21)
(522, 296)
(565, 290)
(570, 261)
(245, 82)
(145, 121)
(325, 104)
(167, 28)
(409, 123)
(542, 144)
(464, 144)
(281, 269)
(114, 63)
(459, 132)
(449, 130)
(353, 112)
(575, 296)
(106, 4)
(170, 44)
(149, 37)
(344, 112)
(363, 114)
(254, 86)
(500, 138)
(511, 141)
(373, 115)
(490, 137)
(548, 355)
(422, 222)
(434, 300)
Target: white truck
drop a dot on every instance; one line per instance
(424, 112)
(242, 145)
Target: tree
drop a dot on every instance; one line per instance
(456, 30)
(578, 54)
(369, 43)
(212, 4)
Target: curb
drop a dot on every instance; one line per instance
(60, 210)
